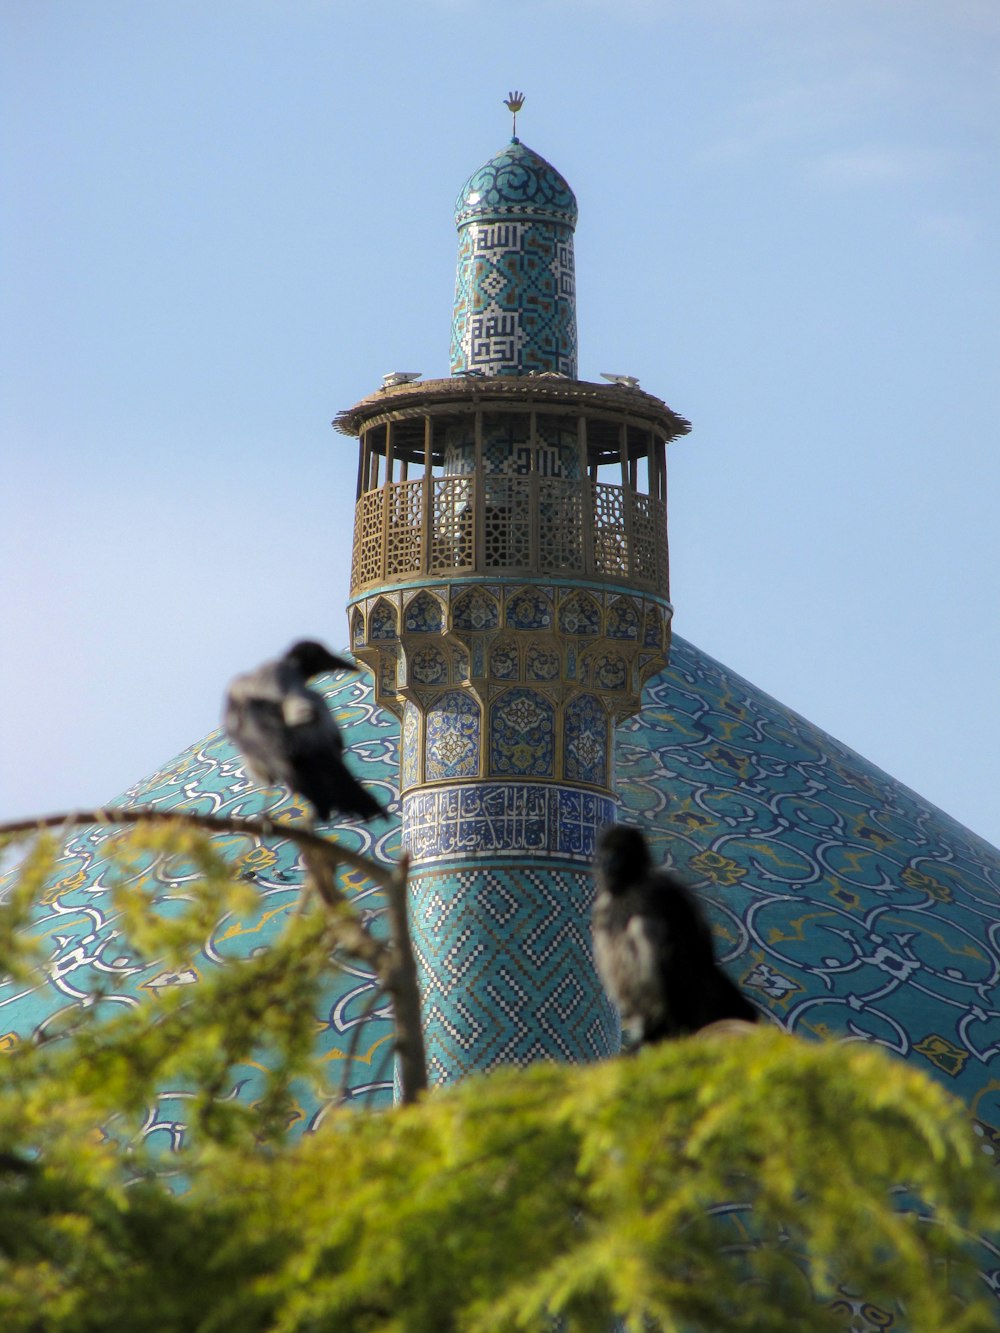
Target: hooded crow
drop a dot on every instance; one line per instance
(653, 947)
(288, 735)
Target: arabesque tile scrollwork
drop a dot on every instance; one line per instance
(585, 741)
(86, 955)
(522, 734)
(476, 608)
(845, 904)
(452, 736)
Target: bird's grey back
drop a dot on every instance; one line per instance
(271, 713)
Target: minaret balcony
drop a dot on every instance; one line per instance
(495, 525)
(529, 477)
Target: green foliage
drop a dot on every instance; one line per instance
(715, 1183)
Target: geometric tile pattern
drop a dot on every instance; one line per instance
(507, 447)
(506, 969)
(503, 818)
(556, 454)
(515, 289)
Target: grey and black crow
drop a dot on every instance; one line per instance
(653, 947)
(287, 734)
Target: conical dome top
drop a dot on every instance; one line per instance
(516, 183)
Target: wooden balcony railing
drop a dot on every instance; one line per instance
(493, 524)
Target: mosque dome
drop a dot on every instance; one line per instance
(515, 183)
(845, 905)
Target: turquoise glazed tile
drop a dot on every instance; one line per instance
(842, 902)
(515, 288)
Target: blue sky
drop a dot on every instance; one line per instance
(223, 222)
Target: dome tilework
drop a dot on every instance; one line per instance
(86, 955)
(516, 182)
(843, 904)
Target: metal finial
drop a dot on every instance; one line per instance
(514, 102)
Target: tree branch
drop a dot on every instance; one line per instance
(402, 982)
(394, 964)
(253, 828)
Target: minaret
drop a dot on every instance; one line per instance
(509, 593)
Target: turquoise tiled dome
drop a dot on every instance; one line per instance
(516, 183)
(843, 903)
(86, 955)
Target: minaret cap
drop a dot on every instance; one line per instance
(515, 289)
(516, 183)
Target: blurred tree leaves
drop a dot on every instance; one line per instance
(714, 1183)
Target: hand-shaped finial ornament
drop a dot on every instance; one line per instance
(514, 102)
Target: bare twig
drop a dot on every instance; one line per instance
(351, 934)
(402, 982)
(252, 828)
(395, 965)
(352, 1048)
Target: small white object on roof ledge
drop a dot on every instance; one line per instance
(395, 377)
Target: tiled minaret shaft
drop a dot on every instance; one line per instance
(515, 290)
(509, 593)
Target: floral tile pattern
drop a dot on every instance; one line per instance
(452, 736)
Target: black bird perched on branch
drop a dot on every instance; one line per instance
(653, 947)
(287, 734)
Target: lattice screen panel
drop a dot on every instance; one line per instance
(405, 544)
(610, 546)
(644, 541)
(507, 523)
(451, 524)
(367, 563)
(529, 523)
(560, 525)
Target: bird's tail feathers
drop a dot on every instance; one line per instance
(342, 792)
